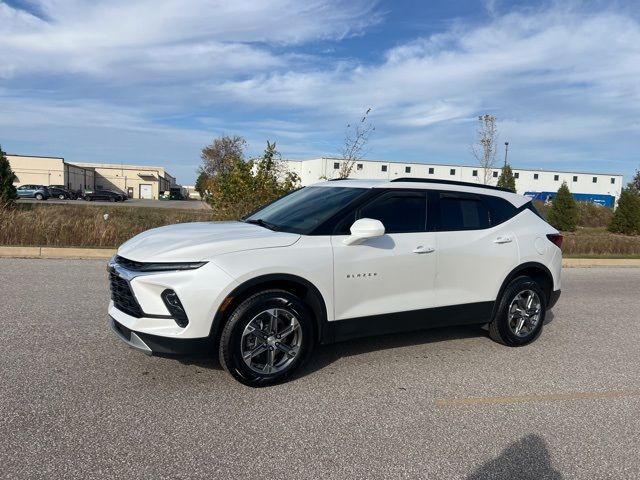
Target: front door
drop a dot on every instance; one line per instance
(387, 274)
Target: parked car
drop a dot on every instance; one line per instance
(334, 261)
(123, 196)
(62, 193)
(39, 192)
(106, 195)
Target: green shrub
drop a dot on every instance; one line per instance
(626, 218)
(564, 211)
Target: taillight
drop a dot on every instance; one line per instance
(556, 239)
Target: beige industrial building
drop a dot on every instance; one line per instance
(135, 180)
(33, 170)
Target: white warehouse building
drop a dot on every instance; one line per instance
(527, 180)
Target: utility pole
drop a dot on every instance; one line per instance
(506, 151)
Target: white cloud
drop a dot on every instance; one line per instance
(120, 37)
(563, 81)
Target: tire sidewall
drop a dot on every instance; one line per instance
(230, 350)
(514, 288)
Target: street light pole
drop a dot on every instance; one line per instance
(506, 150)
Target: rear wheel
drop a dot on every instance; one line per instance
(39, 196)
(521, 313)
(267, 338)
(61, 196)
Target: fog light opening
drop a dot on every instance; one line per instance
(173, 304)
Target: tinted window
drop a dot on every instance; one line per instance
(400, 212)
(500, 210)
(459, 212)
(305, 209)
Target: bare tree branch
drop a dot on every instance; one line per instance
(355, 141)
(485, 148)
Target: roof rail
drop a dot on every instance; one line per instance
(450, 182)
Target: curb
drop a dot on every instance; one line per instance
(57, 252)
(600, 262)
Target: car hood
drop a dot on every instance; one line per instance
(192, 242)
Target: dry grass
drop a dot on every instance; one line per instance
(84, 226)
(598, 242)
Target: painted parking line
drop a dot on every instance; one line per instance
(452, 402)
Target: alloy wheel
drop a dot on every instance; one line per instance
(271, 341)
(524, 313)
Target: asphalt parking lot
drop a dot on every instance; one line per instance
(75, 402)
(132, 202)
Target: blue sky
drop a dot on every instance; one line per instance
(153, 81)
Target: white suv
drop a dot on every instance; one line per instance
(334, 261)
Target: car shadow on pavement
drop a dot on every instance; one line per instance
(325, 355)
(526, 459)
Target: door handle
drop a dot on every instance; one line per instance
(504, 239)
(422, 249)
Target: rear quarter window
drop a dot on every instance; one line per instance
(500, 210)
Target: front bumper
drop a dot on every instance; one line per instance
(154, 344)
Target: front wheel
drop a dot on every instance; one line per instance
(267, 337)
(39, 196)
(61, 196)
(521, 313)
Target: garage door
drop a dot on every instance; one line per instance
(146, 191)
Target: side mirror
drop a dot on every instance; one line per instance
(363, 229)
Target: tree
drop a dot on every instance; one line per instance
(507, 180)
(355, 141)
(8, 192)
(635, 181)
(626, 218)
(243, 186)
(485, 148)
(201, 184)
(564, 211)
(222, 154)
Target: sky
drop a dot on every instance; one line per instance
(153, 81)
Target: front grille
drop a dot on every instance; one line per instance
(123, 297)
(130, 264)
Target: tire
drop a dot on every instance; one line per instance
(112, 199)
(504, 326)
(238, 337)
(61, 196)
(39, 196)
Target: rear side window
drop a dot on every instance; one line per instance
(458, 212)
(500, 210)
(400, 212)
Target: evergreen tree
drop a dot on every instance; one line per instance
(626, 218)
(507, 180)
(564, 211)
(8, 193)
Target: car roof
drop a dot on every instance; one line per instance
(427, 184)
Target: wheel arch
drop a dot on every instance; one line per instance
(301, 287)
(539, 272)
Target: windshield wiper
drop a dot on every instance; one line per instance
(262, 223)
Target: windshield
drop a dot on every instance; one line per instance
(304, 209)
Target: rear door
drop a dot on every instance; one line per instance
(391, 273)
(476, 250)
